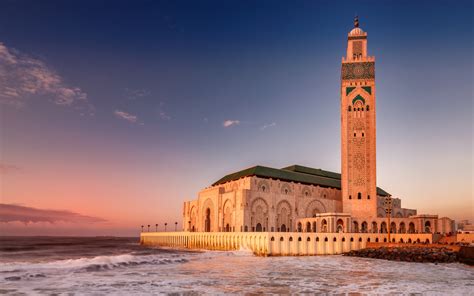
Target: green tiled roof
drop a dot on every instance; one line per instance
(313, 171)
(294, 173)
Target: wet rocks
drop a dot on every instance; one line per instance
(408, 254)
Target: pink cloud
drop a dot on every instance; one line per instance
(229, 123)
(24, 214)
(126, 116)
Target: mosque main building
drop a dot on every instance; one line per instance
(304, 199)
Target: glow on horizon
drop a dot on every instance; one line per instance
(128, 129)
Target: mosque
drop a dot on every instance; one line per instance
(304, 199)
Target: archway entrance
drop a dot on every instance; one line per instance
(427, 227)
(283, 228)
(324, 226)
(207, 226)
(258, 228)
(411, 227)
(340, 225)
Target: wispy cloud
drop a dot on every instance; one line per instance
(22, 76)
(126, 116)
(8, 168)
(24, 214)
(133, 94)
(229, 123)
(161, 112)
(265, 126)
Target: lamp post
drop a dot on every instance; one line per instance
(156, 227)
(142, 228)
(148, 227)
(388, 212)
(166, 224)
(175, 226)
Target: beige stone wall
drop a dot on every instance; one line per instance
(397, 210)
(277, 243)
(253, 203)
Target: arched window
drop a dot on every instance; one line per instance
(350, 196)
(359, 195)
(272, 239)
(355, 134)
(308, 239)
(362, 134)
(308, 227)
(207, 222)
(300, 227)
(427, 227)
(299, 238)
(263, 188)
(291, 238)
(349, 109)
(368, 196)
(367, 108)
(282, 239)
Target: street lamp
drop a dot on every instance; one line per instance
(175, 226)
(388, 211)
(166, 224)
(156, 225)
(148, 227)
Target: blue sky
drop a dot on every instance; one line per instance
(151, 84)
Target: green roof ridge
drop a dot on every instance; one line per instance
(294, 173)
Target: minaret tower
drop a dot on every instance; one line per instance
(358, 180)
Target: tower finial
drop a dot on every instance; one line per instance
(356, 21)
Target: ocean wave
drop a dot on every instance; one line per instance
(97, 263)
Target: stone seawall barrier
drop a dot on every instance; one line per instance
(276, 243)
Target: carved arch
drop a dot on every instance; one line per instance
(263, 186)
(227, 215)
(313, 207)
(207, 216)
(306, 191)
(285, 189)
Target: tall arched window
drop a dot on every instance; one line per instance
(359, 195)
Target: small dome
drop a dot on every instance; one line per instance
(356, 31)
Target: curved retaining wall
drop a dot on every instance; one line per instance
(276, 243)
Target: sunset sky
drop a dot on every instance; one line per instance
(114, 113)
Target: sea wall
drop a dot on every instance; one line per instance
(277, 243)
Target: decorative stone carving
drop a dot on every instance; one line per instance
(362, 70)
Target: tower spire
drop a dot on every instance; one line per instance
(356, 21)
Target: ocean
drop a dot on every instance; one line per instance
(120, 266)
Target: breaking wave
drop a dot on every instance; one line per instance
(97, 263)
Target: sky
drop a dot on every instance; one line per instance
(113, 113)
